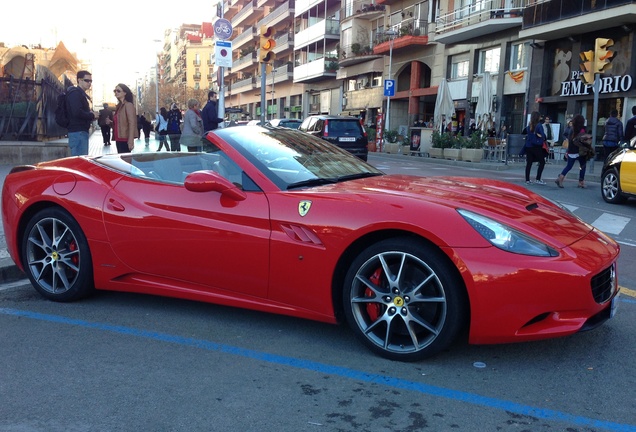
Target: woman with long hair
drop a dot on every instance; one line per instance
(162, 128)
(125, 120)
(578, 129)
(534, 148)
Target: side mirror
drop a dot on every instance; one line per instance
(210, 181)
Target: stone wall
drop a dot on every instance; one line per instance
(31, 152)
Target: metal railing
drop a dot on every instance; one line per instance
(478, 12)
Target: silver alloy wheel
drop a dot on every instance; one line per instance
(53, 255)
(398, 302)
(610, 187)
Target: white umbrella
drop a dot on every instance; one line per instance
(444, 105)
(484, 103)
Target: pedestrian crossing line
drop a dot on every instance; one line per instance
(611, 224)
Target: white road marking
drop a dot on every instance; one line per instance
(611, 224)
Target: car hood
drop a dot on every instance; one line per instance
(511, 204)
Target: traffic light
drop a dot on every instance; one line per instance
(266, 55)
(603, 56)
(587, 66)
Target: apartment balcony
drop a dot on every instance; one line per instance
(196, 63)
(362, 9)
(230, 8)
(357, 100)
(247, 37)
(282, 13)
(244, 62)
(552, 20)
(279, 74)
(325, 29)
(284, 43)
(247, 15)
(356, 53)
(313, 71)
(479, 19)
(247, 84)
(197, 76)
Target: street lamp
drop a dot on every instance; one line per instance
(391, 34)
(157, 79)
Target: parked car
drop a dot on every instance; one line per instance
(618, 178)
(345, 132)
(286, 123)
(276, 220)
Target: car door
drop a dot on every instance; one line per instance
(202, 238)
(628, 172)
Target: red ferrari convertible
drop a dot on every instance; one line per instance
(279, 221)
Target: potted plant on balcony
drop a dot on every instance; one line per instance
(473, 150)
(332, 66)
(356, 48)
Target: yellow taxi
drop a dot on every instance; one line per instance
(618, 178)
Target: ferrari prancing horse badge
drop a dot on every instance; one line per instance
(303, 207)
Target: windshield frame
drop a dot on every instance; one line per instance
(288, 156)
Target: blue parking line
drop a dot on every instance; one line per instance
(430, 390)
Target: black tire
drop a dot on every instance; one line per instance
(415, 312)
(56, 256)
(611, 187)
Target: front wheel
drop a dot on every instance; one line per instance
(611, 188)
(404, 299)
(56, 256)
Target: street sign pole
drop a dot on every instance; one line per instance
(263, 88)
(597, 90)
(223, 30)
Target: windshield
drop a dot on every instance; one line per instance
(295, 159)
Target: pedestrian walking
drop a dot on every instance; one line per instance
(146, 126)
(630, 126)
(101, 122)
(192, 127)
(161, 128)
(79, 113)
(125, 120)
(613, 134)
(576, 141)
(174, 127)
(535, 139)
(210, 113)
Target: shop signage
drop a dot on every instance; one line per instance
(610, 84)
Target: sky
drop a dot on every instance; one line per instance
(116, 36)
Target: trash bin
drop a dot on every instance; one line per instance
(515, 144)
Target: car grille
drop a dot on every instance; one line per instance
(603, 284)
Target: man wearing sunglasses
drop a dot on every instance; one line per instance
(79, 113)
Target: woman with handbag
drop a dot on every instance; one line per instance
(535, 139)
(579, 148)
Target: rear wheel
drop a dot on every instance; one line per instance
(56, 256)
(611, 188)
(404, 300)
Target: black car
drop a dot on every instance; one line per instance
(286, 123)
(345, 132)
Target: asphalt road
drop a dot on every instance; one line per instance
(127, 362)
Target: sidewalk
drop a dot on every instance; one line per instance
(9, 271)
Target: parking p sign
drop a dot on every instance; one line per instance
(389, 88)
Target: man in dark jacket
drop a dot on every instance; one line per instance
(210, 113)
(613, 133)
(101, 121)
(79, 113)
(630, 126)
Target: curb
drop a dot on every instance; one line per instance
(9, 271)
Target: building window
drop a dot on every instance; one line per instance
(459, 69)
(489, 60)
(519, 56)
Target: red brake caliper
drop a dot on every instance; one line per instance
(374, 309)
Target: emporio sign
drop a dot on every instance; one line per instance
(609, 84)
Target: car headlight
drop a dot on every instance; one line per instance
(506, 238)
